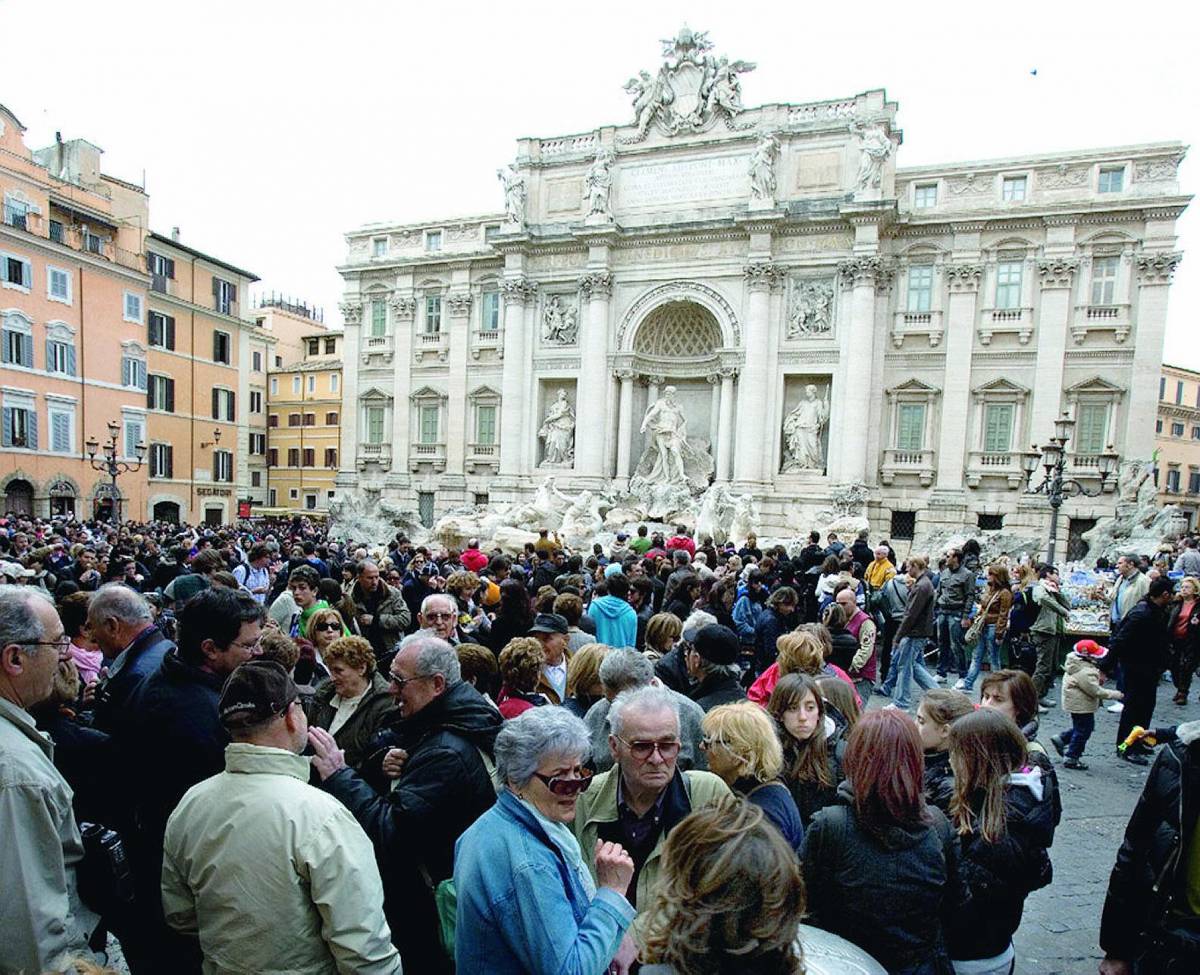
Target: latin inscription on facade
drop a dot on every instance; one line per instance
(684, 181)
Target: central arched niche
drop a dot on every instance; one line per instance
(678, 330)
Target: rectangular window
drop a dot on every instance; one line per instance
(135, 433)
(224, 296)
(330, 346)
(378, 317)
(490, 312)
(162, 330)
(18, 272)
(314, 346)
(222, 465)
(273, 457)
(221, 346)
(433, 314)
(990, 523)
(256, 401)
(60, 357)
(57, 232)
(335, 381)
(310, 419)
(160, 394)
(295, 385)
(910, 426)
(331, 457)
(1196, 433)
(1158, 426)
(1008, 284)
(279, 362)
(374, 424)
(429, 424)
(294, 493)
(256, 478)
(997, 427)
(312, 384)
(310, 502)
(272, 496)
(274, 386)
(1012, 190)
(485, 425)
(293, 419)
(93, 243)
(273, 420)
(1193, 481)
(1176, 429)
(19, 427)
(161, 266)
(16, 213)
(1104, 280)
(1112, 179)
(379, 247)
(58, 285)
(1162, 387)
(133, 373)
(1091, 430)
(920, 287)
(433, 241)
(1173, 476)
(223, 405)
(17, 348)
(62, 440)
(481, 499)
(1179, 391)
(133, 307)
(162, 460)
(925, 195)
(310, 457)
(331, 419)
(904, 525)
(293, 457)
(256, 361)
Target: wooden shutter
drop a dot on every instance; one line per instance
(997, 434)
(170, 330)
(150, 405)
(27, 351)
(31, 419)
(71, 368)
(126, 378)
(49, 356)
(910, 433)
(7, 432)
(216, 404)
(232, 402)
(170, 404)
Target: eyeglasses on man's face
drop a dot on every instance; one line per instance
(439, 616)
(400, 683)
(642, 750)
(61, 643)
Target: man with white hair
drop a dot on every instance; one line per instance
(641, 798)
(624, 670)
(44, 920)
(122, 625)
(437, 746)
(439, 618)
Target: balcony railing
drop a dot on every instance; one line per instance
(433, 454)
(375, 453)
(1101, 318)
(1018, 321)
(986, 463)
(926, 323)
(919, 463)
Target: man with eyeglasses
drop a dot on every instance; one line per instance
(439, 618)
(417, 795)
(644, 795)
(44, 920)
(176, 740)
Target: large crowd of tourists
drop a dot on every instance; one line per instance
(257, 749)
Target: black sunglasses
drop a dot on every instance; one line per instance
(327, 625)
(566, 787)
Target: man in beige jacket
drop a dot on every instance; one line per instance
(271, 874)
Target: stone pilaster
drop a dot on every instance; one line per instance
(518, 292)
(1054, 320)
(624, 424)
(861, 275)
(404, 310)
(347, 474)
(762, 277)
(592, 392)
(459, 307)
(956, 395)
(1154, 274)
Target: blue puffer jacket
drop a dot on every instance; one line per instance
(522, 908)
(746, 613)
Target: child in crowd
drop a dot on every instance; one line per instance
(813, 743)
(1082, 691)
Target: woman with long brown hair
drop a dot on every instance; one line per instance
(729, 900)
(994, 603)
(882, 870)
(813, 745)
(1003, 814)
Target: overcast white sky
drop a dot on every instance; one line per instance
(266, 129)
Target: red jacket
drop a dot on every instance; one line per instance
(683, 542)
(760, 690)
(474, 560)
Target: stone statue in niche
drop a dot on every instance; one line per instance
(802, 433)
(560, 324)
(514, 195)
(558, 430)
(671, 463)
(762, 168)
(876, 147)
(598, 184)
(812, 309)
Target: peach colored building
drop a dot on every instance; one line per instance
(73, 355)
(1177, 439)
(206, 387)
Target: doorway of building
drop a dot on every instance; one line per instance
(167, 511)
(18, 498)
(212, 517)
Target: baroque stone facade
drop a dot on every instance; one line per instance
(943, 316)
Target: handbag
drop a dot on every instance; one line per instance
(971, 637)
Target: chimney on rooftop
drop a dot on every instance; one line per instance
(174, 233)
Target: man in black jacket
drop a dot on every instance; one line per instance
(1151, 920)
(1140, 646)
(434, 746)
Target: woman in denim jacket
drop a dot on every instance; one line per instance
(526, 900)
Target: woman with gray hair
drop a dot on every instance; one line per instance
(527, 902)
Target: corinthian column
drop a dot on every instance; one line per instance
(456, 419)
(1054, 319)
(624, 424)
(592, 392)
(514, 382)
(1154, 273)
(854, 398)
(956, 396)
(751, 448)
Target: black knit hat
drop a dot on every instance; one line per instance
(256, 692)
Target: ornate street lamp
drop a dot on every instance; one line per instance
(1057, 488)
(109, 464)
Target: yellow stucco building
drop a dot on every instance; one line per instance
(1178, 439)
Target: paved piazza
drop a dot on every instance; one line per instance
(762, 297)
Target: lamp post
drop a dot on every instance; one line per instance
(109, 464)
(1057, 488)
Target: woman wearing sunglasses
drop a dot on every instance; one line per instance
(527, 902)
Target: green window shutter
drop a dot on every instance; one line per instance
(997, 434)
(910, 432)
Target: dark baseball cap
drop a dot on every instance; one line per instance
(549, 623)
(717, 644)
(256, 692)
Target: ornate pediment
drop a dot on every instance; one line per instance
(913, 389)
(375, 394)
(1001, 388)
(1096, 386)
